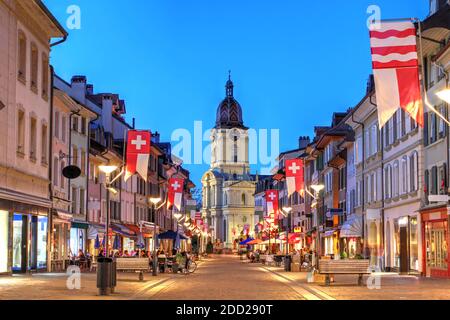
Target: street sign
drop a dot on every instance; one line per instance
(438, 198)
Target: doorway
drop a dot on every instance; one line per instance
(20, 249)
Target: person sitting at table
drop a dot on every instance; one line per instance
(125, 254)
(161, 256)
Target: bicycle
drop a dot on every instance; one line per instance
(191, 267)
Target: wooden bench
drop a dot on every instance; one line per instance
(133, 265)
(333, 267)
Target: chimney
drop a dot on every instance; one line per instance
(90, 89)
(155, 137)
(78, 84)
(370, 84)
(107, 106)
(303, 142)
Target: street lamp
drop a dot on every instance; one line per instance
(444, 95)
(177, 216)
(317, 188)
(107, 170)
(154, 199)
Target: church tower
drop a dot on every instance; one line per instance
(228, 186)
(229, 138)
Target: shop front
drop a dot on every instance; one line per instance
(435, 245)
(4, 241)
(29, 242)
(94, 232)
(60, 239)
(331, 244)
(373, 238)
(351, 237)
(78, 237)
(403, 240)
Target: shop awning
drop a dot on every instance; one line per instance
(80, 225)
(123, 231)
(246, 241)
(329, 233)
(352, 228)
(94, 230)
(146, 232)
(171, 235)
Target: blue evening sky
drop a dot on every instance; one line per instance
(293, 62)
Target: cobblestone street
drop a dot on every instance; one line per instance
(224, 278)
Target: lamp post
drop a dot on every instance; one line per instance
(154, 199)
(317, 188)
(287, 210)
(107, 170)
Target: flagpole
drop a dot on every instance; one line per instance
(425, 95)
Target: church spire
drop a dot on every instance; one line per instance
(229, 86)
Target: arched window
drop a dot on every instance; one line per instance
(414, 172)
(243, 199)
(22, 56)
(235, 148)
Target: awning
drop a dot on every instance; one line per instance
(94, 230)
(146, 232)
(123, 231)
(80, 225)
(352, 228)
(171, 235)
(243, 243)
(329, 233)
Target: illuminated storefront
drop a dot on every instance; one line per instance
(435, 244)
(4, 236)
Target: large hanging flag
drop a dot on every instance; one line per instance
(294, 176)
(396, 70)
(272, 204)
(137, 153)
(175, 193)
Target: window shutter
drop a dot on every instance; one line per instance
(434, 182)
(425, 129)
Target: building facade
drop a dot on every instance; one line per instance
(26, 31)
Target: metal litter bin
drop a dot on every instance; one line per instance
(104, 275)
(287, 263)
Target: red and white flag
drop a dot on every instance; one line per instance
(272, 204)
(294, 176)
(137, 153)
(396, 70)
(175, 193)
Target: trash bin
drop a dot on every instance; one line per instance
(104, 275)
(287, 263)
(113, 275)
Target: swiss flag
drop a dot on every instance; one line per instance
(272, 204)
(137, 153)
(175, 193)
(294, 176)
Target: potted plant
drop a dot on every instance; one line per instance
(344, 255)
(178, 261)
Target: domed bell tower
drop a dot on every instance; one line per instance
(229, 138)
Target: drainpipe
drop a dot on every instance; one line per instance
(363, 182)
(88, 171)
(50, 162)
(50, 171)
(383, 242)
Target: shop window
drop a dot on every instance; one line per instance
(34, 67)
(4, 235)
(413, 244)
(436, 242)
(22, 57)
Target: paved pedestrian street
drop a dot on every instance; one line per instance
(223, 278)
